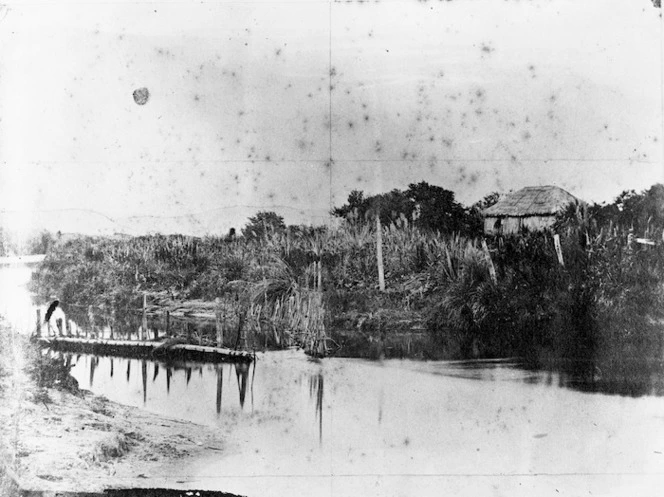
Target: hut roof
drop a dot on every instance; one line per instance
(532, 201)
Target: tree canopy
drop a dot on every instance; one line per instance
(263, 222)
(427, 206)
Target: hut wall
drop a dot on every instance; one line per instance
(510, 225)
(489, 223)
(536, 223)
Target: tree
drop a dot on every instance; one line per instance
(354, 208)
(428, 206)
(651, 215)
(391, 206)
(474, 220)
(436, 207)
(262, 223)
(41, 243)
(487, 201)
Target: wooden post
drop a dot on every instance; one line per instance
(320, 276)
(167, 326)
(38, 328)
(559, 251)
(487, 256)
(379, 254)
(219, 324)
(144, 320)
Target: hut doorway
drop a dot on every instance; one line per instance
(498, 226)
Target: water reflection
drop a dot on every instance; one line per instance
(242, 372)
(220, 386)
(628, 377)
(360, 404)
(151, 390)
(173, 368)
(93, 366)
(316, 391)
(144, 376)
(633, 378)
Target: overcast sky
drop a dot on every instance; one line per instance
(471, 95)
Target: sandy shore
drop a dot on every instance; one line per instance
(55, 440)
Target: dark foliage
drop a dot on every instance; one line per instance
(262, 223)
(429, 207)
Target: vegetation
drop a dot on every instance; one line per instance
(288, 285)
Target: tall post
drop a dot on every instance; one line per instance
(38, 327)
(168, 324)
(559, 250)
(320, 275)
(219, 323)
(144, 320)
(379, 253)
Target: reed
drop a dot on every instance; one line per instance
(293, 287)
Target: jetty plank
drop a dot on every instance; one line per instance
(144, 347)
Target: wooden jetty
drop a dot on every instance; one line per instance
(148, 349)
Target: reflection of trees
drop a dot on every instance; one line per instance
(316, 389)
(52, 370)
(633, 378)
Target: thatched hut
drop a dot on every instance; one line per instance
(532, 207)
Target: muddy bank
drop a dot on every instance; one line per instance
(57, 438)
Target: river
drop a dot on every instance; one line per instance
(295, 426)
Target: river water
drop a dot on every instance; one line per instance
(295, 426)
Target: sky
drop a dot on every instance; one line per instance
(290, 105)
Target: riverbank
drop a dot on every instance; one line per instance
(341, 427)
(584, 292)
(61, 439)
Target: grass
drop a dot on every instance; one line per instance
(296, 286)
